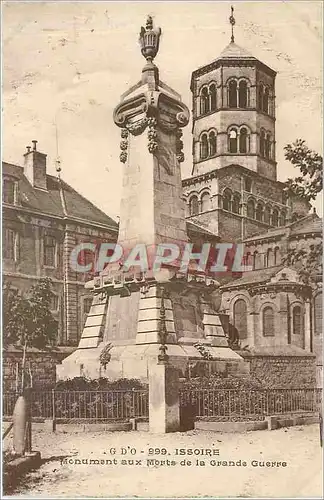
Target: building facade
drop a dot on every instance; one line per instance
(43, 220)
(234, 191)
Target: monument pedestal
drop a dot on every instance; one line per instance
(138, 313)
(164, 398)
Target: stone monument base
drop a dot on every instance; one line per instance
(134, 360)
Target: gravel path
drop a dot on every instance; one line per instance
(62, 474)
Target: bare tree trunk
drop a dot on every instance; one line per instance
(23, 367)
(17, 377)
(30, 376)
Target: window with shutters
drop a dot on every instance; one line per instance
(10, 244)
(240, 318)
(49, 251)
(268, 322)
(8, 191)
(318, 308)
(54, 302)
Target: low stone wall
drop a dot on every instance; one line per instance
(41, 364)
(283, 371)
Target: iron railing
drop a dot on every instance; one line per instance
(83, 405)
(232, 404)
(218, 404)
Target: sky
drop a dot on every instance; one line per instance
(65, 65)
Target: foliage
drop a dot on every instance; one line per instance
(307, 261)
(223, 381)
(105, 355)
(27, 319)
(310, 183)
(101, 384)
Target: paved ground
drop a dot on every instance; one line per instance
(297, 446)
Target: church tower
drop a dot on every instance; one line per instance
(234, 189)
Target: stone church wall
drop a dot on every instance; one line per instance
(283, 371)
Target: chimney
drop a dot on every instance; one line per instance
(35, 167)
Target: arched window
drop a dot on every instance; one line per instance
(232, 94)
(240, 318)
(243, 94)
(268, 322)
(227, 200)
(283, 218)
(204, 101)
(205, 202)
(212, 143)
(212, 97)
(267, 146)
(243, 140)
(260, 97)
(275, 217)
(269, 258)
(259, 212)
(267, 215)
(233, 141)
(318, 312)
(276, 257)
(250, 209)
(193, 205)
(248, 259)
(255, 257)
(265, 106)
(297, 318)
(262, 143)
(203, 147)
(236, 204)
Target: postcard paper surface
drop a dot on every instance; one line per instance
(162, 244)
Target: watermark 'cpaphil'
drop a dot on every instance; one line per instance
(212, 260)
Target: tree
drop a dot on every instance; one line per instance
(310, 164)
(27, 320)
(307, 261)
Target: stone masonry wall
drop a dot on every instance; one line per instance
(284, 371)
(42, 366)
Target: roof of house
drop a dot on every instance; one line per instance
(197, 227)
(253, 277)
(309, 224)
(60, 199)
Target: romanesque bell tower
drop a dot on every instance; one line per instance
(234, 189)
